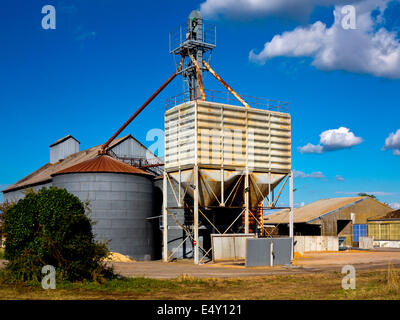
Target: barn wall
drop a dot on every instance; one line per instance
(63, 150)
(130, 148)
(19, 194)
(361, 211)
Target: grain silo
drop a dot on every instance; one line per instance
(227, 158)
(120, 199)
(222, 161)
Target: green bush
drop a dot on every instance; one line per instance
(50, 227)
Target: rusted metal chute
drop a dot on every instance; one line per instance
(193, 44)
(225, 84)
(103, 149)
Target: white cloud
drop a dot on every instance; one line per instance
(380, 193)
(301, 174)
(242, 9)
(394, 205)
(338, 139)
(297, 204)
(339, 178)
(367, 49)
(333, 139)
(375, 193)
(393, 142)
(311, 148)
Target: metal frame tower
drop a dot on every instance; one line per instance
(192, 41)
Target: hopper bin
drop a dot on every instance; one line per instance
(224, 142)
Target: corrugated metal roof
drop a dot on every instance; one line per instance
(311, 211)
(43, 174)
(103, 163)
(391, 215)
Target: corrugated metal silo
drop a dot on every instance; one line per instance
(121, 198)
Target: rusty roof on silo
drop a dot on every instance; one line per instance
(102, 164)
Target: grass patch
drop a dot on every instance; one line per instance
(138, 285)
(1, 253)
(383, 284)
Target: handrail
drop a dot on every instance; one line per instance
(227, 98)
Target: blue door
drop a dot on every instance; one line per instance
(359, 230)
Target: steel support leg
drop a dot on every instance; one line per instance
(196, 215)
(291, 211)
(246, 200)
(165, 218)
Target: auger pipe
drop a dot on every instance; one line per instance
(225, 84)
(104, 147)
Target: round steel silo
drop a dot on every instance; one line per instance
(120, 199)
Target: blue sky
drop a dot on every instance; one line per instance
(105, 58)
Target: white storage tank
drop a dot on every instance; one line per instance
(224, 141)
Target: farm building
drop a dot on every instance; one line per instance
(64, 153)
(119, 189)
(385, 230)
(224, 154)
(345, 218)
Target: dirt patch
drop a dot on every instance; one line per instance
(308, 263)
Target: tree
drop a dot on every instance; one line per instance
(50, 227)
(362, 194)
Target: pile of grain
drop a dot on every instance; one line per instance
(117, 257)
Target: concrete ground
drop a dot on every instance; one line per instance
(308, 263)
(311, 262)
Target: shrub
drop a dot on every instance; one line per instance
(50, 227)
